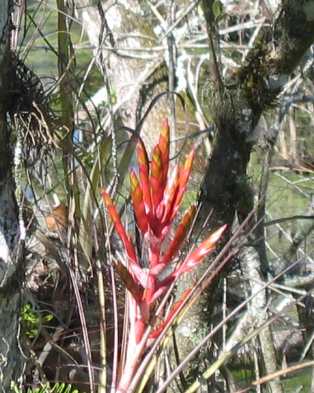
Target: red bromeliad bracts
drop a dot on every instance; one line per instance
(156, 198)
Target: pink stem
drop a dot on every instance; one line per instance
(134, 350)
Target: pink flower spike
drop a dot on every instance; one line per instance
(198, 255)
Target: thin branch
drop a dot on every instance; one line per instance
(283, 372)
(290, 218)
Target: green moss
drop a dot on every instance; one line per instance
(302, 378)
(244, 376)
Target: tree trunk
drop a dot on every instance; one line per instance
(124, 74)
(11, 361)
(236, 112)
(258, 308)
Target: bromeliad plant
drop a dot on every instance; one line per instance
(149, 272)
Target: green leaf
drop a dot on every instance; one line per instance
(47, 318)
(47, 388)
(86, 238)
(217, 9)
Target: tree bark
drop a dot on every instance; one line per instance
(258, 306)
(11, 360)
(118, 27)
(225, 188)
(260, 80)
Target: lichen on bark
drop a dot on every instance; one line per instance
(11, 359)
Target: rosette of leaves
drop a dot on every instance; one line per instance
(157, 190)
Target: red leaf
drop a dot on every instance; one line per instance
(185, 171)
(156, 177)
(141, 274)
(138, 203)
(180, 234)
(184, 174)
(164, 150)
(170, 196)
(149, 289)
(118, 226)
(198, 255)
(143, 166)
(157, 269)
(154, 224)
(171, 315)
(130, 284)
(160, 289)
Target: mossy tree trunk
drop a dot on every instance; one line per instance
(11, 360)
(225, 188)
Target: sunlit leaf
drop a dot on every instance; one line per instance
(143, 167)
(156, 177)
(170, 195)
(163, 144)
(138, 203)
(184, 174)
